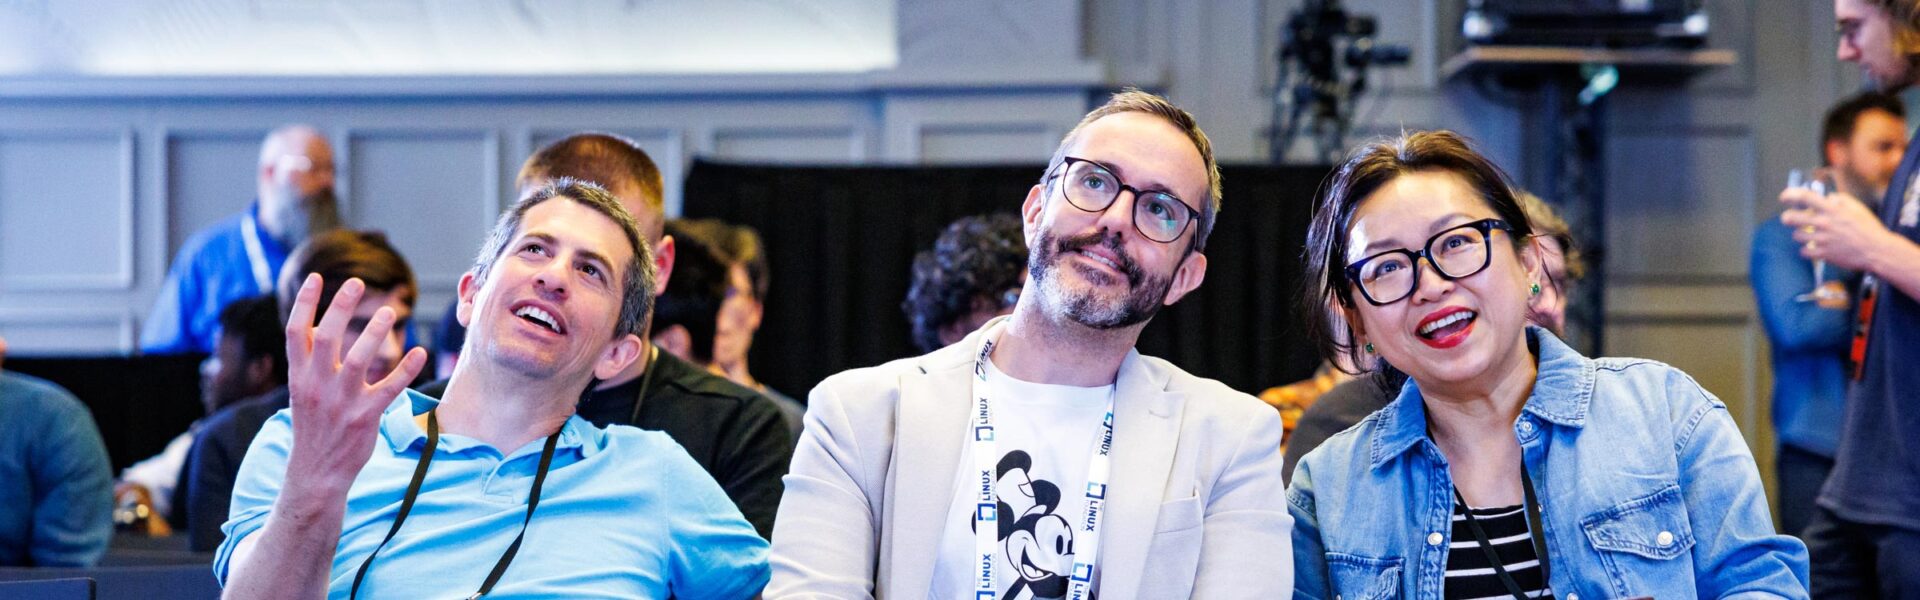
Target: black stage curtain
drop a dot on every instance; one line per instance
(139, 402)
(840, 243)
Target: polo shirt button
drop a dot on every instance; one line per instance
(1664, 539)
(1573, 597)
(1434, 539)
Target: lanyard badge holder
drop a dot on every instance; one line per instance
(986, 510)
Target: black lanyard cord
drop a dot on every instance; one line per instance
(1534, 534)
(413, 493)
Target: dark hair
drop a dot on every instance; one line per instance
(975, 259)
(637, 281)
(1844, 116)
(605, 159)
(734, 245)
(694, 293)
(1369, 168)
(255, 323)
(1134, 100)
(339, 255)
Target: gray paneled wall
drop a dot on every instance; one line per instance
(101, 181)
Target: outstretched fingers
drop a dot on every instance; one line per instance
(329, 336)
(300, 321)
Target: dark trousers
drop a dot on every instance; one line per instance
(1858, 560)
(1801, 473)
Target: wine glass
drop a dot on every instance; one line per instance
(1820, 181)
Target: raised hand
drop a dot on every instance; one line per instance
(336, 410)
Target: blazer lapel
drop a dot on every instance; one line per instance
(928, 438)
(1146, 431)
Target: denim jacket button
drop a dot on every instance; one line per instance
(1526, 427)
(1434, 539)
(1664, 539)
(1573, 597)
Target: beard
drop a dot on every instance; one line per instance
(305, 216)
(1145, 294)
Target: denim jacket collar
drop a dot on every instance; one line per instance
(1562, 391)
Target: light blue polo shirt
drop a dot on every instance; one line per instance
(625, 513)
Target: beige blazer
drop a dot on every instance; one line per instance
(1197, 508)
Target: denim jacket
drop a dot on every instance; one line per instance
(1645, 488)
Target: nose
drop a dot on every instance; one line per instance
(1846, 51)
(1430, 287)
(1118, 217)
(550, 280)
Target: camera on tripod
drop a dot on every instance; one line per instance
(1311, 92)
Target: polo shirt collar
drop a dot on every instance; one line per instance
(404, 435)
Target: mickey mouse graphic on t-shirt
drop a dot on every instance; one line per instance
(1037, 543)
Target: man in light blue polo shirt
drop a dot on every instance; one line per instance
(240, 256)
(499, 488)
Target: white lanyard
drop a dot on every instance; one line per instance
(256, 256)
(986, 512)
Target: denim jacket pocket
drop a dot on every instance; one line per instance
(1653, 526)
(1356, 577)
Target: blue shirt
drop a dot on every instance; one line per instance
(212, 269)
(625, 513)
(56, 488)
(1808, 343)
(1645, 487)
(1876, 475)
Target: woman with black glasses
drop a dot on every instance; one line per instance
(1510, 466)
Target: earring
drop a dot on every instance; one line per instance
(1536, 289)
(1368, 347)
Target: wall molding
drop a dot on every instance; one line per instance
(121, 279)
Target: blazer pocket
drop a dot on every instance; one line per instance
(1356, 577)
(1173, 557)
(1179, 515)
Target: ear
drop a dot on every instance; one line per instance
(1193, 270)
(1834, 151)
(259, 372)
(663, 253)
(1532, 259)
(675, 340)
(619, 354)
(469, 289)
(1031, 210)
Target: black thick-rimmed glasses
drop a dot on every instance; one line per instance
(1457, 252)
(1092, 187)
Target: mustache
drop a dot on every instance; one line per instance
(1112, 242)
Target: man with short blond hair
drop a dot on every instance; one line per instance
(1043, 456)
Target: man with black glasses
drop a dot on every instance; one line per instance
(1043, 456)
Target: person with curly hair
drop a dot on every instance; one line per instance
(973, 273)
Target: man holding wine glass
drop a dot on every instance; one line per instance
(1805, 307)
(1865, 534)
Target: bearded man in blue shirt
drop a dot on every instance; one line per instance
(364, 486)
(240, 257)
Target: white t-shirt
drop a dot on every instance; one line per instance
(1045, 435)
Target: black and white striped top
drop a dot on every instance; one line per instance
(1469, 575)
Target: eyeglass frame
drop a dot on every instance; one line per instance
(1484, 226)
(1066, 162)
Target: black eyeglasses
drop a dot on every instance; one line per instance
(1457, 252)
(1092, 187)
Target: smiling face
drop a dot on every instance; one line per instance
(1448, 332)
(551, 302)
(1094, 268)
